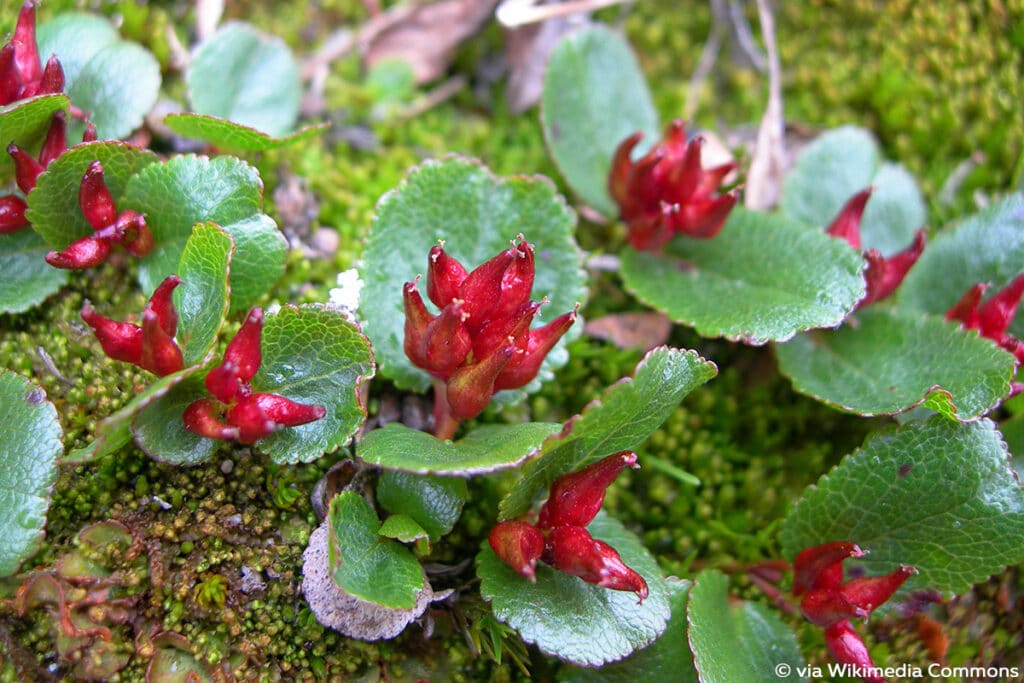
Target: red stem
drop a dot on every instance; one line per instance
(445, 423)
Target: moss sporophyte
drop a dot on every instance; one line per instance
(560, 538)
(481, 341)
(667, 192)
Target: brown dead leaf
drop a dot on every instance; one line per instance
(638, 330)
(527, 49)
(426, 36)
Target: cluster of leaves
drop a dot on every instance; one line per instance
(765, 278)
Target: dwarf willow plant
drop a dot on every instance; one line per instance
(861, 313)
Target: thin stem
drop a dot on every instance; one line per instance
(445, 423)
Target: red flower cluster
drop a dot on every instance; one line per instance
(150, 346)
(127, 228)
(235, 412)
(27, 170)
(560, 538)
(481, 341)
(22, 74)
(992, 318)
(883, 275)
(831, 604)
(667, 192)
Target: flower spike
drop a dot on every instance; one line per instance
(444, 276)
(668, 192)
(884, 275)
(815, 566)
(576, 497)
(571, 549)
(992, 319)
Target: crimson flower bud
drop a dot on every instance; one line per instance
(576, 497)
(260, 415)
(884, 275)
(471, 386)
(162, 304)
(160, 355)
(95, 199)
(120, 341)
(571, 549)
(134, 233)
(444, 276)
(446, 341)
(86, 252)
(202, 417)
(244, 351)
(481, 290)
(417, 317)
(499, 332)
(525, 365)
(26, 169)
(869, 592)
(56, 141)
(10, 80)
(668, 192)
(846, 225)
(519, 545)
(827, 606)
(846, 647)
(992, 319)
(26, 51)
(966, 309)
(517, 281)
(50, 83)
(816, 567)
(12, 214)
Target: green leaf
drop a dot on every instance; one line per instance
(114, 431)
(668, 660)
(985, 247)
(247, 77)
(31, 440)
(937, 495)
(402, 528)
(579, 622)
(886, 362)
(27, 279)
(743, 643)
(762, 278)
(177, 194)
(228, 135)
(460, 201)
(118, 87)
(365, 564)
(53, 205)
(26, 122)
(628, 412)
(841, 163)
(159, 428)
(435, 503)
(75, 37)
(202, 297)
(313, 354)
(594, 97)
(485, 449)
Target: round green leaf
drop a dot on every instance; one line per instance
(485, 449)
(594, 97)
(229, 135)
(118, 87)
(575, 621)
(435, 503)
(628, 412)
(476, 214)
(937, 495)
(26, 122)
(986, 247)
(159, 429)
(887, 362)
(668, 660)
(247, 77)
(202, 297)
(177, 194)
(27, 279)
(841, 163)
(114, 431)
(75, 37)
(402, 528)
(53, 205)
(31, 440)
(742, 643)
(313, 354)
(763, 278)
(365, 564)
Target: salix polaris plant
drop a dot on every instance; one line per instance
(873, 322)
